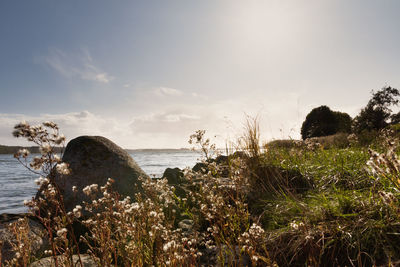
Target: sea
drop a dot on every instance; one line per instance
(17, 183)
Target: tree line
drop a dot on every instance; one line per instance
(376, 115)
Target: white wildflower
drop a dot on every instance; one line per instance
(62, 168)
(62, 232)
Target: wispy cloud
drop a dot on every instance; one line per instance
(72, 124)
(166, 91)
(79, 65)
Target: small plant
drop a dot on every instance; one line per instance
(48, 207)
(221, 208)
(22, 243)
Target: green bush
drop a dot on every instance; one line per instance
(322, 121)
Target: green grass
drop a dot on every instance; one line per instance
(340, 220)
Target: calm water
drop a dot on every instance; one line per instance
(17, 183)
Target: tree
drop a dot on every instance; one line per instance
(377, 114)
(343, 121)
(322, 121)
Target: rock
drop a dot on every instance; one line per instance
(221, 160)
(200, 167)
(37, 234)
(92, 160)
(49, 261)
(174, 176)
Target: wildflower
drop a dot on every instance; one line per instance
(62, 232)
(93, 188)
(42, 181)
(22, 152)
(45, 149)
(86, 190)
(60, 139)
(62, 168)
(57, 159)
(77, 211)
(254, 258)
(36, 163)
(153, 213)
(294, 225)
(50, 124)
(167, 246)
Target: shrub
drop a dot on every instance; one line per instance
(322, 121)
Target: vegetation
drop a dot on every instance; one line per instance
(378, 114)
(322, 121)
(326, 201)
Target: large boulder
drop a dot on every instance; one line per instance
(37, 234)
(92, 160)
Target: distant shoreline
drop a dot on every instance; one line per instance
(14, 149)
(157, 149)
(35, 149)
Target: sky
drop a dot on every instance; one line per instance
(147, 74)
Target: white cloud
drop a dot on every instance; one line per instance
(71, 124)
(165, 91)
(164, 122)
(79, 65)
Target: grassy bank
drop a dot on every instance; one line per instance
(347, 216)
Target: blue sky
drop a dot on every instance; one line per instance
(149, 73)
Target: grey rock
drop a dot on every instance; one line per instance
(87, 261)
(174, 176)
(200, 167)
(37, 234)
(92, 160)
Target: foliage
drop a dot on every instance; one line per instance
(56, 220)
(377, 114)
(343, 121)
(322, 121)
